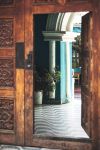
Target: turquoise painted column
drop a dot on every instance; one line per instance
(63, 71)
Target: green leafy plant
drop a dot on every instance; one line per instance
(46, 80)
(50, 79)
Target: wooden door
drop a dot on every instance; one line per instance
(12, 72)
(86, 80)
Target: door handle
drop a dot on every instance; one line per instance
(21, 62)
(28, 61)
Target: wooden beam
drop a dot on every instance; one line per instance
(67, 144)
(70, 7)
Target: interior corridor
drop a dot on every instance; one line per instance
(60, 120)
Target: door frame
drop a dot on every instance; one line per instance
(61, 143)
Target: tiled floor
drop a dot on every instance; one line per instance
(60, 120)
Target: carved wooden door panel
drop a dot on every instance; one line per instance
(11, 72)
(86, 72)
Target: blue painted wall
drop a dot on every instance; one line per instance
(77, 69)
(77, 29)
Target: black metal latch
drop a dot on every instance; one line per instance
(28, 61)
(21, 63)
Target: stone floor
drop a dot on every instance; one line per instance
(10, 147)
(60, 120)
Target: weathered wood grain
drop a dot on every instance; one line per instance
(11, 80)
(24, 112)
(96, 73)
(67, 144)
(68, 7)
(28, 74)
(19, 107)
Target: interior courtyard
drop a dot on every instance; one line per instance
(59, 114)
(49, 75)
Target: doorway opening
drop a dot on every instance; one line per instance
(59, 112)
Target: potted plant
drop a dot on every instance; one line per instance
(38, 94)
(49, 82)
